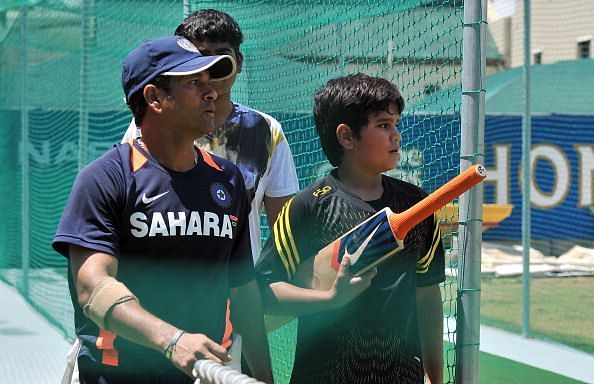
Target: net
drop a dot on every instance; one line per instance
(61, 62)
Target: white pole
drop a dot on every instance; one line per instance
(25, 155)
(470, 203)
(526, 178)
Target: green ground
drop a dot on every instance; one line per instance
(561, 309)
(497, 370)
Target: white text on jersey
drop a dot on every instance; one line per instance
(177, 224)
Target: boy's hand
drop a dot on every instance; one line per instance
(194, 346)
(347, 286)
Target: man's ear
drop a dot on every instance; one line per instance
(239, 61)
(344, 135)
(152, 97)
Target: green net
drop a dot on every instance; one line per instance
(60, 74)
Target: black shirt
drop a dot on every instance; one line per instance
(374, 338)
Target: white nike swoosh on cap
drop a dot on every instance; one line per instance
(147, 200)
(355, 256)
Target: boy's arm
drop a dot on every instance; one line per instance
(292, 240)
(248, 319)
(273, 207)
(430, 317)
(283, 298)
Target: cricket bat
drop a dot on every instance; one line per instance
(381, 235)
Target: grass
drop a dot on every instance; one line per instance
(561, 309)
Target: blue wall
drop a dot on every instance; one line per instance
(561, 135)
(437, 138)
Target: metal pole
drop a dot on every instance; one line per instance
(470, 203)
(341, 55)
(526, 178)
(25, 155)
(88, 41)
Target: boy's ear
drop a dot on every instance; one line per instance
(344, 135)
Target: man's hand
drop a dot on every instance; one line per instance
(348, 286)
(195, 346)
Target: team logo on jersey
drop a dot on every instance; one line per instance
(147, 200)
(322, 191)
(220, 195)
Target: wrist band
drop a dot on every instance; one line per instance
(172, 343)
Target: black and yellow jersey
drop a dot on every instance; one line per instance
(374, 338)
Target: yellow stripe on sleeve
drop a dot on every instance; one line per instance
(283, 236)
(285, 242)
(276, 138)
(277, 229)
(291, 245)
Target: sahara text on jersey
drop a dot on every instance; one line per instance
(178, 224)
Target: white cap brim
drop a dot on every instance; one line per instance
(220, 67)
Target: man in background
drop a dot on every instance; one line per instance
(253, 140)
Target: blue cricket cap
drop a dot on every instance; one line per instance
(170, 56)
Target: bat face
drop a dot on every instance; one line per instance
(367, 245)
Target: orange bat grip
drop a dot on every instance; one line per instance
(401, 223)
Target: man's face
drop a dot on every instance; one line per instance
(191, 104)
(207, 48)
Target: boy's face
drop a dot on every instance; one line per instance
(378, 148)
(208, 48)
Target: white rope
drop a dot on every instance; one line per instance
(209, 372)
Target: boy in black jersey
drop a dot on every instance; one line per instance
(384, 326)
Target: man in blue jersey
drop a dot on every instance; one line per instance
(156, 234)
(253, 140)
